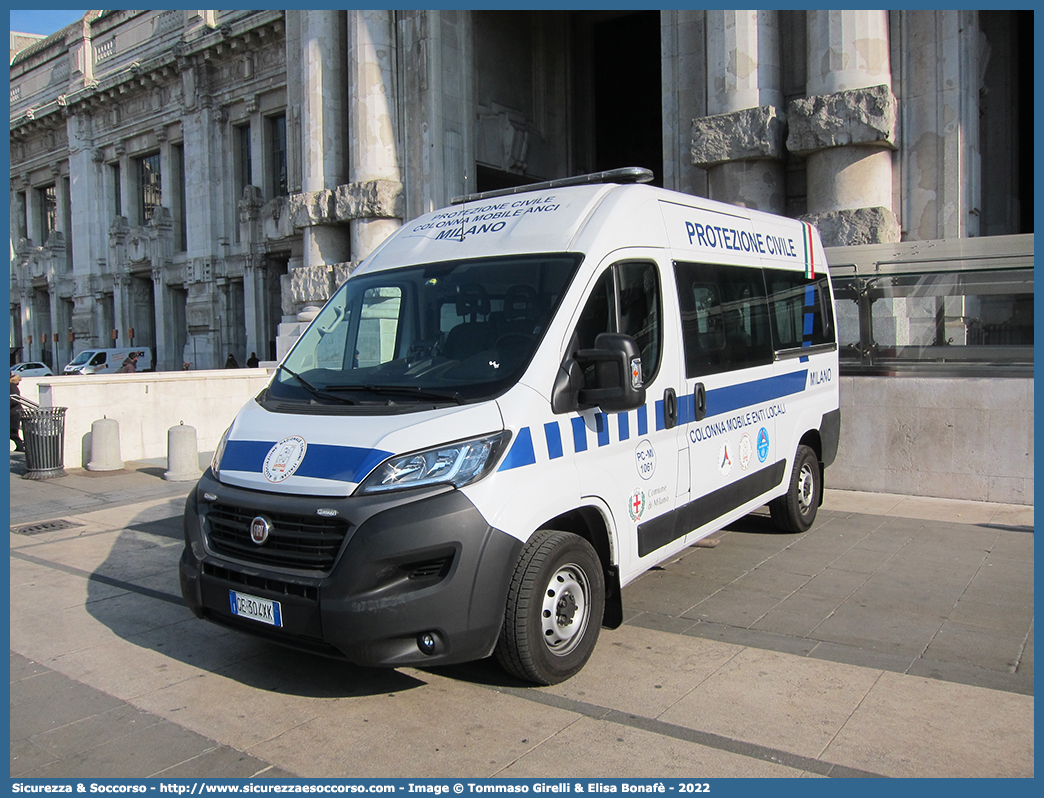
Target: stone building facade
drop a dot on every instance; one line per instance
(199, 181)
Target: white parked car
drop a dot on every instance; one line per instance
(31, 369)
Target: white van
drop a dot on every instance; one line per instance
(512, 409)
(108, 361)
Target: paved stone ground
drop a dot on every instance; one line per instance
(895, 638)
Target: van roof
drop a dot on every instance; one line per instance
(602, 217)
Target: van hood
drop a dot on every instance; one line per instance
(331, 455)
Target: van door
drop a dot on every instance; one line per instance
(631, 460)
(736, 393)
(97, 363)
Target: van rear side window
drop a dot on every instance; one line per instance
(725, 324)
(801, 314)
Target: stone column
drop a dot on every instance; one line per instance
(255, 306)
(89, 220)
(372, 128)
(846, 128)
(121, 283)
(939, 68)
(438, 104)
(323, 157)
(323, 135)
(161, 233)
(740, 141)
(683, 68)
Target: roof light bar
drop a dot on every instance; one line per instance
(627, 174)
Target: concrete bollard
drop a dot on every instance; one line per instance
(105, 446)
(182, 454)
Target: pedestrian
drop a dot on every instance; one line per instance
(129, 365)
(252, 361)
(16, 415)
(231, 363)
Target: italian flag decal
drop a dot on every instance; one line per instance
(810, 265)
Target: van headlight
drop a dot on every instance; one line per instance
(456, 464)
(219, 452)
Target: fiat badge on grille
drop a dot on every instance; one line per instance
(259, 529)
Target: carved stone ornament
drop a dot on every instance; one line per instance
(745, 135)
(857, 116)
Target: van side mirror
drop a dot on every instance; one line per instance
(618, 383)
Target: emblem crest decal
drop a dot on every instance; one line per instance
(636, 504)
(284, 458)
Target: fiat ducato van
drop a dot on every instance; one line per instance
(513, 408)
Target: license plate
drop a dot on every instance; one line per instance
(257, 609)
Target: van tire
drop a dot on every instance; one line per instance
(795, 510)
(558, 574)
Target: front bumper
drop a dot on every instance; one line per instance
(413, 562)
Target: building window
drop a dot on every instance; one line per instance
(117, 190)
(244, 166)
(48, 211)
(67, 225)
(177, 154)
(151, 186)
(277, 144)
(21, 220)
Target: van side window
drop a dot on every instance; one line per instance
(801, 312)
(98, 359)
(333, 337)
(724, 317)
(640, 317)
(378, 327)
(626, 299)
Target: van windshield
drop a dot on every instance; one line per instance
(82, 358)
(442, 333)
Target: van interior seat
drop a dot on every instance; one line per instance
(471, 336)
(520, 311)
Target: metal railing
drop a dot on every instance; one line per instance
(944, 308)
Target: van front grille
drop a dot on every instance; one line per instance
(264, 583)
(294, 541)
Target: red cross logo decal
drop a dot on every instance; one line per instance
(636, 507)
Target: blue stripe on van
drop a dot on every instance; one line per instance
(579, 434)
(521, 452)
(553, 436)
(725, 400)
(322, 461)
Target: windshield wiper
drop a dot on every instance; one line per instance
(402, 390)
(312, 389)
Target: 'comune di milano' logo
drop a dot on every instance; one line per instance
(284, 458)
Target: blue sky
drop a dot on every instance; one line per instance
(43, 22)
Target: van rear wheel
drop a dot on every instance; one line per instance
(554, 609)
(795, 510)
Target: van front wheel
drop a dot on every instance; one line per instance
(795, 510)
(554, 608)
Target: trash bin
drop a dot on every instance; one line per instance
(43, 431)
